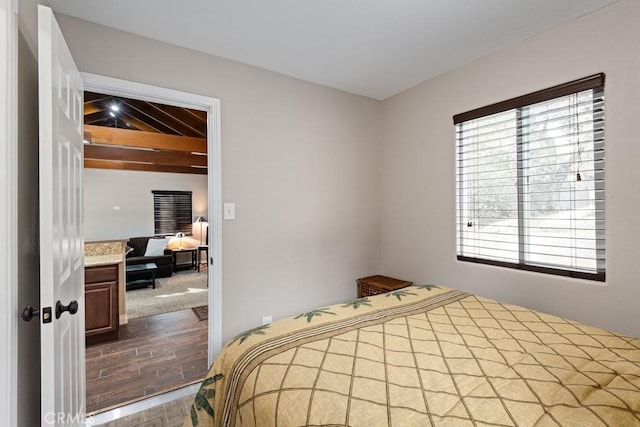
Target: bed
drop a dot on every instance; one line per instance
(420, 356)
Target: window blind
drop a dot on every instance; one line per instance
(530, 181)
(172, 212)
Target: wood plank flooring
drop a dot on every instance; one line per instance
(153, 354)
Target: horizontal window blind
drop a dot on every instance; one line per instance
(530, 181)
(172, 212)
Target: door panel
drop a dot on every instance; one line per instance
(61, 244)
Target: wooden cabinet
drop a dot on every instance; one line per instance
(102, 318)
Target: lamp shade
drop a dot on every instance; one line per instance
(200, 219)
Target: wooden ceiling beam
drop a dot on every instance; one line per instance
(133, 109)
(101, 123)
(137, 124)
(119, 165)
(103, 118)
(179, 118)
(141, 139)
(95, 97)
(95, 117)
(168, 158)
(202, 115)
(99, 112)
(90, 108)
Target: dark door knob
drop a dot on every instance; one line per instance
(72, 308)
(29, 313)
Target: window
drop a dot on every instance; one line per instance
(530, 181)
(172, 212)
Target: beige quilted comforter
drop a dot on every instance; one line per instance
(420, 356)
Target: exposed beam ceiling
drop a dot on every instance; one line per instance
(129, 134)
(136, 114)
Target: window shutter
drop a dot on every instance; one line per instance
(530, 181)
(172, 212)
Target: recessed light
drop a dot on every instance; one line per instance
(111, 114)
(114, 107)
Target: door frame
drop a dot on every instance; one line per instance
(129, 89)
(9, 211)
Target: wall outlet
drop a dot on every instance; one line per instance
(266, 320)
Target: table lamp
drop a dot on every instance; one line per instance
(180, 235)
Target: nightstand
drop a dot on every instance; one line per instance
(374, 285)
(192, 251)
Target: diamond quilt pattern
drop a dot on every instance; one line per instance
(430, 357)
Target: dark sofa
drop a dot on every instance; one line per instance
(139, 246)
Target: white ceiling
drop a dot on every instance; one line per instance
(375, 48)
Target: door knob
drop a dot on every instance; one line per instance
(72, 308)
(29, 313)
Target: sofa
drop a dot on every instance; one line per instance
(136, 256)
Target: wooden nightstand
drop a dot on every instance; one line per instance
(374, 285)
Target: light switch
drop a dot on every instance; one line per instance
(229, 211)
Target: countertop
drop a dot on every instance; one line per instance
(96, 260)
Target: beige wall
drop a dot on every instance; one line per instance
(103, 191)
(300, 161)
(418, 172)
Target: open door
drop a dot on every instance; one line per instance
(61, 237)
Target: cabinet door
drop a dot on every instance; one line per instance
(101, 302)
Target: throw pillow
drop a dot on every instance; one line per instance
(155, 247)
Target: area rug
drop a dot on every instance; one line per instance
(202, 312)
(182, 291)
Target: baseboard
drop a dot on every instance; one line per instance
(124, 319)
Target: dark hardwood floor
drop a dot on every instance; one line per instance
(152, 355)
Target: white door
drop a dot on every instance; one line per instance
(61, 238)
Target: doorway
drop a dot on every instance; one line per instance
(211, 258)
